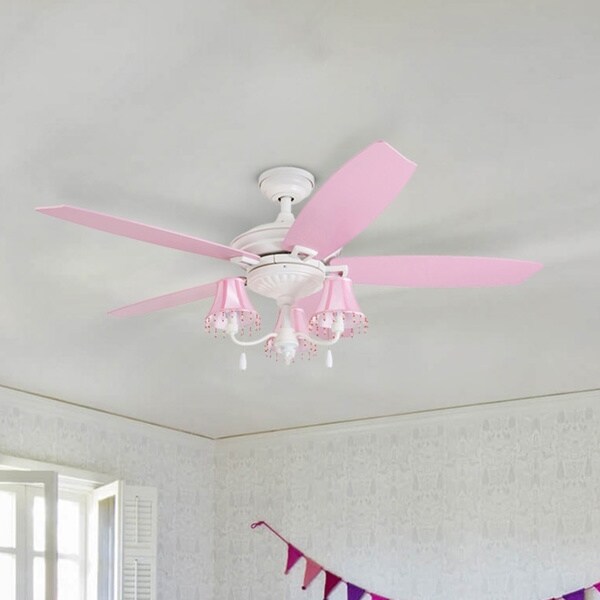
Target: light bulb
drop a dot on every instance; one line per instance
(286, 344)
(233, 325)
(338, 323)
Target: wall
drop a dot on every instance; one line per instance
(181, 467)
(498, 502)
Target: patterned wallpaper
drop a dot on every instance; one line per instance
(496, 503)
(180, 466)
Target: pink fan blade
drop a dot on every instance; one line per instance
(350, 199)
(437, 271)
(144, 233)
(167, 301)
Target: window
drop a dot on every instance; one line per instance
(8, 541)
(26, 577)
(71, 543)
(64, 537)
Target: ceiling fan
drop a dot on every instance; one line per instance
(296, 262)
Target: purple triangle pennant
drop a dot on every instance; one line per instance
(578, 595)
(331, 581)
(354, 592)
(294, 555)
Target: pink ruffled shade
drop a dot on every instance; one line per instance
(337, 298)
(306, 349)
(231, 300)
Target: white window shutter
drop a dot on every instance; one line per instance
(105, 543)
(139, 543)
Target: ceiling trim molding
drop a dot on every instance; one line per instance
(329, 425)
(68, 403)
(387, 419)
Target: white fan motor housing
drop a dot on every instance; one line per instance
(263, 239)
(285, 277)
(279, 274)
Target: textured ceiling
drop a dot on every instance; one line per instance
(165, 112)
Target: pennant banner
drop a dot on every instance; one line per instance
(332, 580)
(294, 555)
(354, 592)
(312, 570)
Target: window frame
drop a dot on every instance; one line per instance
(53, 477)
(135, 559)
(18, 550)
(69, 477)
(49, 481)
(81, 499)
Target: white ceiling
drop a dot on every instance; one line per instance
(166, 111)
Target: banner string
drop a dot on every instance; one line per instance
(259, 523)
(577, 595)
(272, 529)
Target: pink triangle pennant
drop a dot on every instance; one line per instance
(597, 586)
(331, 581)
(376, 597)
(312, 570)
(578, 595)
(294, 555)
(354, 592)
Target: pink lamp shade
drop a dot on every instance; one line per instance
(306, 349)
(231, 301)
(337, 298)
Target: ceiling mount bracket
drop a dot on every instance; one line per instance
(286, 182)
